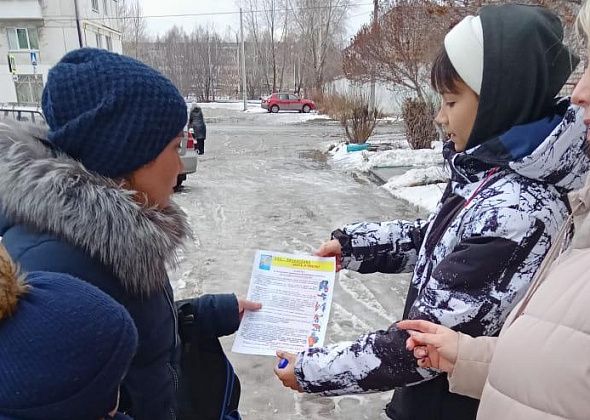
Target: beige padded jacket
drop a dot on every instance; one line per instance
(539, 367)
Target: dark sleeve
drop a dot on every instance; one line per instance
(386, 247)
(374, 362)
(216, 315)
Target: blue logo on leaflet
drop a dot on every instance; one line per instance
(265, 262)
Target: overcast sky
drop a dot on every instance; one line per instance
(358, 15)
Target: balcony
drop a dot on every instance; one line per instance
(20, 10)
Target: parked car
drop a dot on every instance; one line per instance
(188, 155)
(32, 114)
(286, 102)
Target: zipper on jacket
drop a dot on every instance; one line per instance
(174, 315)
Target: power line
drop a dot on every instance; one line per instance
(61, 18)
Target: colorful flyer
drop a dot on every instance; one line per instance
(296, 295)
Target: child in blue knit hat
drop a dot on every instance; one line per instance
(64, 347)
(97, 186)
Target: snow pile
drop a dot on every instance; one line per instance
(402, 157)
(346, 161)
(364, 161)
(417, 177)
(288, 118)
(424, 196)
(422, 187)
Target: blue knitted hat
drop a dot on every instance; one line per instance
(64, 347)
(112, 113)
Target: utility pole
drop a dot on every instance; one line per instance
(294, 77)
(372, 92)
(243, 60)
(78, 23)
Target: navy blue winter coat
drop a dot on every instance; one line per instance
(57, 216)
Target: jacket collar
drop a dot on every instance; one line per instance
(549, 150)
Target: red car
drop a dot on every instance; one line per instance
(286, 102)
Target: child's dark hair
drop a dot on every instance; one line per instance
(443, 76)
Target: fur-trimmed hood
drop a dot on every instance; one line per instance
(51, 193)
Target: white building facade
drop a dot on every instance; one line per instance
(35, 34)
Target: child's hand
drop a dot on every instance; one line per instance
(287, 374)
(331, 249)
(433, 345)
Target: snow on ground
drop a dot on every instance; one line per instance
(403, 157)
(423, 196)
(366, 160)
(422, 185)
(418, 177)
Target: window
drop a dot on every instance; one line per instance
(109, 43)
(95, 5)
(283, 97)
(29, 88)
(98, 41)
(23, 38)
(293, 97)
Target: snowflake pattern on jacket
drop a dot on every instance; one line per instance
(472, 260)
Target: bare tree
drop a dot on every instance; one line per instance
(267, 26)
(399, 49)
(133, 27)
(201, 64)
(321, 27)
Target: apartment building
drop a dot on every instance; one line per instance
(35, 34)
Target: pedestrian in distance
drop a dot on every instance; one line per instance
(196, 121)
(513, 150)
(90, 196)
(537, 369)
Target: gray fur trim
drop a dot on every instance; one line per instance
(53, 193)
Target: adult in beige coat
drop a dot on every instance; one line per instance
(539, 366)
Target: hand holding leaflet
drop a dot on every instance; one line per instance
(296, 294)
